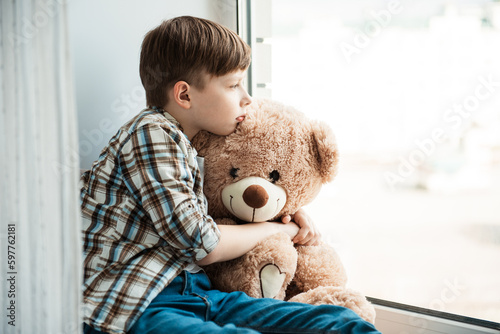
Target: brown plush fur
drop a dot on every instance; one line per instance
(275, 137)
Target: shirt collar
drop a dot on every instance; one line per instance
(172, 120)
(168, 117)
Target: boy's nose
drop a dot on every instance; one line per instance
(247, 100)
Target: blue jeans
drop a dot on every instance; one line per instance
(188, 305)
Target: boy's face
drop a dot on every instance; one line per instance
(221, 104)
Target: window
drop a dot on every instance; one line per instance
(412, 91)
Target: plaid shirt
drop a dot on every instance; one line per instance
(144, 219)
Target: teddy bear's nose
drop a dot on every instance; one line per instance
(255, 196)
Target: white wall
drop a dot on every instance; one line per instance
(105, 39)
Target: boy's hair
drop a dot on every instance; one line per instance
(185, 49)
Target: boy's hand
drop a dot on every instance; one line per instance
(308, 234)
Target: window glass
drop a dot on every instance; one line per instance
(412, 91)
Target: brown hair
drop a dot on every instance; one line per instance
(185, 48)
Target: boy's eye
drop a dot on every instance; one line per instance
(234, 172)
(274, 176)
(235, 86)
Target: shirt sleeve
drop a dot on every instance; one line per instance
(157, 172)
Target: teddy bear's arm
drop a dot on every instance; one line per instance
(317, 266)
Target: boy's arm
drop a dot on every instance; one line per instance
(236, 240)
(158, 176)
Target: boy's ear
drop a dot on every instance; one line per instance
(181, 94)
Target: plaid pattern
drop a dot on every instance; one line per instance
(144, 219)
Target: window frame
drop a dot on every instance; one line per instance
(391, 316)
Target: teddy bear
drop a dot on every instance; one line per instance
(273, 164)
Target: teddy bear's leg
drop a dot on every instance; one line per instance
(265, 271)
(317, 266)
(334, 295)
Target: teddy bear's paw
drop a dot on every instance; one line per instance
(271, 281)
(339, 296)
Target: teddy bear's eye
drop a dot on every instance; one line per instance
(234, 172)
(274, 176)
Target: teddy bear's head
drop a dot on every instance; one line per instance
(273, 164)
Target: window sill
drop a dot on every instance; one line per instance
(403, 319)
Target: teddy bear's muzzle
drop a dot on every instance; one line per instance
(254, 199)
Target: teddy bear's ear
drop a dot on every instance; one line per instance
(324, 147)
(203, 141)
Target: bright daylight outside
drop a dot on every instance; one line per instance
(412, 92)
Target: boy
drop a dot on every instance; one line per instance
(146, 229)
